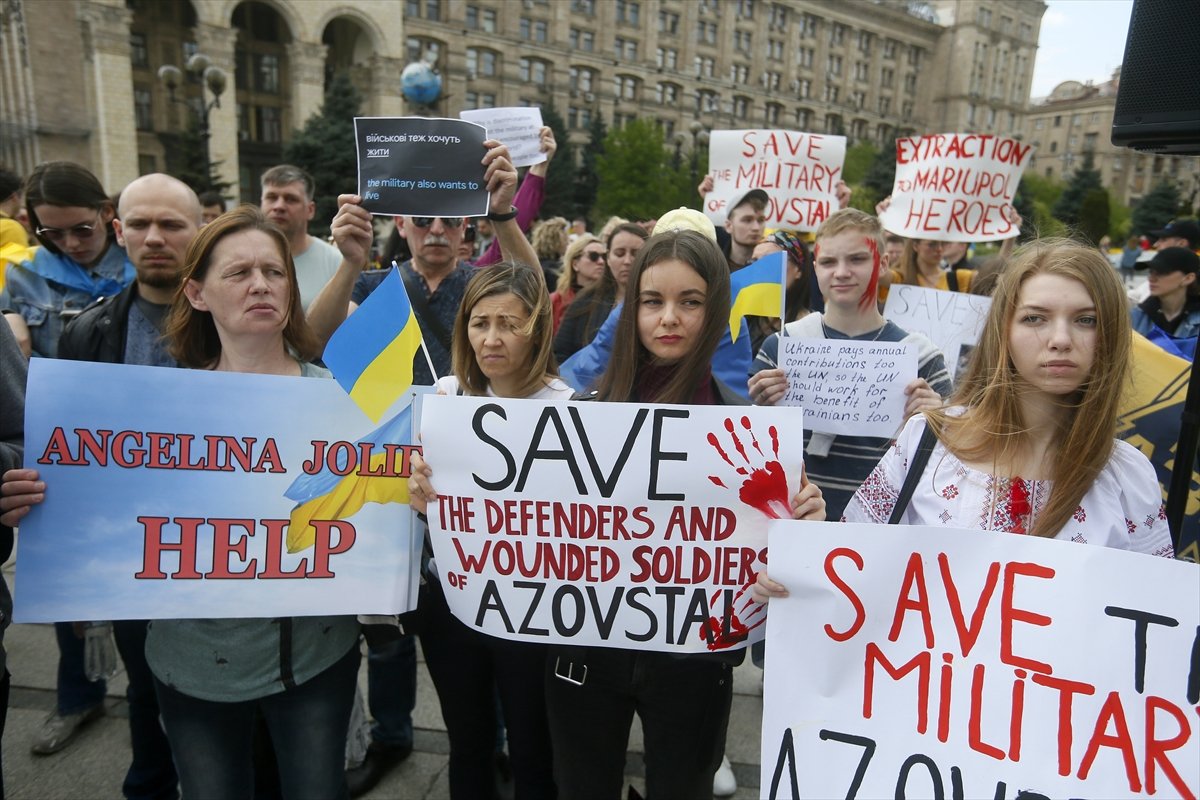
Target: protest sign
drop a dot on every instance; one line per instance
(847, 386)
(518, 128)
(798, 171)
(611, 524)
(953, 186)
(421, 167)
(169, 494)
(951, 320)
(933, 662)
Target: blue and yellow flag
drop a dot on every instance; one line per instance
(757, 290)
(330, 495)
(371, 354)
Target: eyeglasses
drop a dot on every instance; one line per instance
(79, 232)
(595, 257)
(449, 222)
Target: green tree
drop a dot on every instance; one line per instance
(1094, 215)
(325, 147)
(636, 179)
(1156, 208)
(560, 175)
(881, 175)
(586, 180)
(859, 158)
(185, 160)
(1086, 179)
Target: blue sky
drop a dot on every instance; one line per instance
(1080, 40)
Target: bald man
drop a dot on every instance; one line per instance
(158, 218)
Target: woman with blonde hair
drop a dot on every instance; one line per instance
(583, 266)
(1026, 444)
(549, 240)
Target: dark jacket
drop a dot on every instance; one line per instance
(98, 333)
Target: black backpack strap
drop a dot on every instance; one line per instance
(952, 279)
(916, 468)
(425, 318)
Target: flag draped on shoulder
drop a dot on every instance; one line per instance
(757, 290)
(371, 354)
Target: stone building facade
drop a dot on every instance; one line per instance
(80, 76)
(1075, 119)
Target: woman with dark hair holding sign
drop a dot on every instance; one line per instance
(1027, 443)
(676, 309)
(501, 348)
(238, 310)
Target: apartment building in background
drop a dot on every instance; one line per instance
(79, 77)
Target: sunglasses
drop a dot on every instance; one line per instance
(594, 257)
(449, 222)
(78, 232)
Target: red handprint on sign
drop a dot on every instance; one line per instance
(727, 628)
(764, 488)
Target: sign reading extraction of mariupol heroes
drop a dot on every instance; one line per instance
(954, 186)
(933, 662)
(616, 524)
(187, 493)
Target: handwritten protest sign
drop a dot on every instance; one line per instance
(798, 171)
(951, 320)
(611, 524)
(518, 128)
(923, 662)
(847, 386)
(166, 497)
(953, 186)
(421, 167)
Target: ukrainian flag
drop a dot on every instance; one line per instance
(371, 353)
(757, 290)
(329, 496)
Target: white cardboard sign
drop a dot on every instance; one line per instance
(951, 320)
(925, 662)
(848, 386)
(798, 171)
(952, 187)
(613, 524)
(516, 127)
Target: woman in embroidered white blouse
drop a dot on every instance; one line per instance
(1027, 444)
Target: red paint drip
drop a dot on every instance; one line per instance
(712, 439)
(736, 441)
(774, 440)
(871, 294)
(753, 438)
(766, 490)
(717, 481)
(1018, 504)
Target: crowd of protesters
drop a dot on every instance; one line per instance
(160, 277)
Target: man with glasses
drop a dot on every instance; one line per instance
(287, 199)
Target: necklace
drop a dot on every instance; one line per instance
(878, 333)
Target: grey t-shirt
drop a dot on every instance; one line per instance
(314, 267)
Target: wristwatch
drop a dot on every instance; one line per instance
(494, 217)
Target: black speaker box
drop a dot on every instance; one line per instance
(1158, 100)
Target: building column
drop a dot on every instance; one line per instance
(306, 65)
(385, 99)
(218, 44)
(110, 83)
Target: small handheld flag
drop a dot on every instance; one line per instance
(757, 290)
(371, 353)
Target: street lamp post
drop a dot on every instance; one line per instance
(699, 138)
(213, 79)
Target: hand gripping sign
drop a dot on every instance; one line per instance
(611, 524)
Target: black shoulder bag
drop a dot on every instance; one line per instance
(916, 469)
